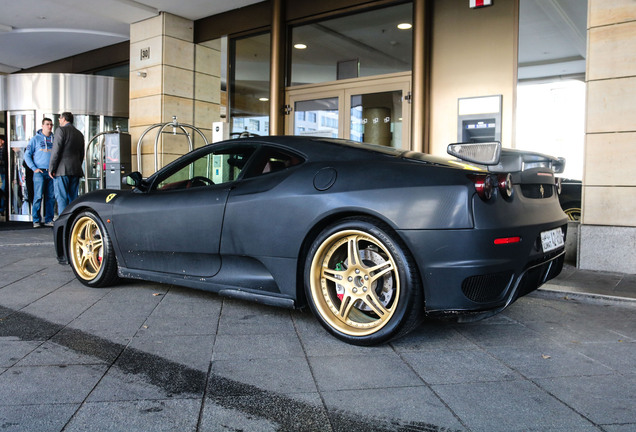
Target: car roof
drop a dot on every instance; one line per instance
(319, 148)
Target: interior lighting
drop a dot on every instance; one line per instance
(263, 99)
(300, 46)
(404, 26)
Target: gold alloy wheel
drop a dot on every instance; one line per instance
(354, 283)
(573, 213)
(86, 248)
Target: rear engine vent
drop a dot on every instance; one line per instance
(537, 190)
(486, 288)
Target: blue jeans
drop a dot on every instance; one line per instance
(43, 185)
(66, 190)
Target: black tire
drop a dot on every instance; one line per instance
(361, 282)
(91, 252)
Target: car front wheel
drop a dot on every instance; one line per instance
(91, 252)
(361, 282)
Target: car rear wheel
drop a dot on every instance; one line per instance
(574, 214)
(361, 282)
(91, 252)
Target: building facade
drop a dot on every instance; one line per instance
(414, 74)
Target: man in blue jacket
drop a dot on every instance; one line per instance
(38, 156)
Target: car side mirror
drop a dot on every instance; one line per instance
(133, 179)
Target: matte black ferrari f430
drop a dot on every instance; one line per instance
(370, 238)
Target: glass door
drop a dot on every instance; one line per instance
(316, 114)
(374, 110)
(20, 179)
(378, 118)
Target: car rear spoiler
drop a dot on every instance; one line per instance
(498, 159)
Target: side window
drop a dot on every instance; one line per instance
(271, 160)
(218, 167)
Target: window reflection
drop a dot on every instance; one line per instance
(249, 85)
(360, 45)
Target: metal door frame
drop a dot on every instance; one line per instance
(344, 89)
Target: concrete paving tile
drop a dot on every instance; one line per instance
(589, 396)
(595, 279)
(265, 411)
(578, 331)
(65, 304)
(631, 427)
(362, 372)
(24, 292)
(508, 406)
(276, 375)
(316, 341)
(26, 327)
(242, 317)
(40, 418)
(138, 293)
(237, 347)
(534, 308)
(90, 346)
(458, 366)
(157, 325)
(319, 343)
(208, 308)
(433, 336)
(12, 350)
(486, 335)
(116, 327)
(137, 416)
(11, 273)
(48, 384)
(548, 359)
(404, 408)
(627, 286)
(52, 354)
(139, 375)
(194, 352)
(190, 301)
(620, 356)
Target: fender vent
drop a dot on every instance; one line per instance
(486, 288)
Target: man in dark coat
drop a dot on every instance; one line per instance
(66, 161)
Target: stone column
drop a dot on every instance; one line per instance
(607, 237)
(170, 76)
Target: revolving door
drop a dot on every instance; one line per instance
(98, 103)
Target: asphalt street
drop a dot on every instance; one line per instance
(149, 357)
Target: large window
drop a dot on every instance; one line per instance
(360, 45)
(249, 85)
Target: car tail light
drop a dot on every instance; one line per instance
(484, 185)
(507, 240)
(504, 181)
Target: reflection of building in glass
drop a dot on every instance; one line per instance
(357, 127)
(252, 125)
(323, 123)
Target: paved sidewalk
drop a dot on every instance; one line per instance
(149, 357)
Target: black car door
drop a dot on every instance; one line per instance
(175, 227)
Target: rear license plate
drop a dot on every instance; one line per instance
(551, 240)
